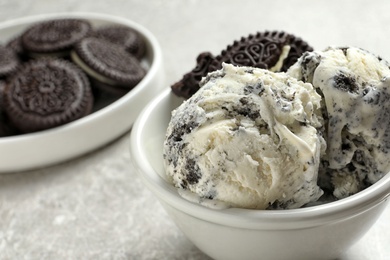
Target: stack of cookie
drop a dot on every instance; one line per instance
(55, 70)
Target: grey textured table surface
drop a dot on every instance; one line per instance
(95, 206)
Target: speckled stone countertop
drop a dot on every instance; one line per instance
(95, 206)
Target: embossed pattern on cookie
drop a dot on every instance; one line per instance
(46, 93)
(272, 50)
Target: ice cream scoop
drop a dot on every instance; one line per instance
(249, 138)
(355, 85)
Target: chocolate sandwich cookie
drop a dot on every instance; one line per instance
(46, 93)
(5, 127)
(266, 50)
(2, 89)
(54, 37)
(130, 39)
(189, 84)
(16, 45)
(9, 61)
(272, 50)
(2, 93)
(108, 64)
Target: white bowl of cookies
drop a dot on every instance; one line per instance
(71, 83)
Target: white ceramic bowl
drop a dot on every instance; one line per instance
(51, 146)
(318, 232)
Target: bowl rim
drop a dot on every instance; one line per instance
(110, 110)
(248, 218)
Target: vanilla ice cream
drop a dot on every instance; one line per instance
(355, 85)
(249, 138)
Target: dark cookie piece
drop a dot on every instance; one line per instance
(16, 45)
(347, 83)
(2, 89)
(2, 93)
(105, 91)
(108, 63)
(189, 84)
(5, 127)
(125, 36)
(297, 48)
(54, 37)
(46, 93)
(9, 61)
(262, 50)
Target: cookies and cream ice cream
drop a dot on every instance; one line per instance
(250, 138)
(257, 139)
(355, 86)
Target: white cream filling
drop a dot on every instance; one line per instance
(278, 66)
(90, 71)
